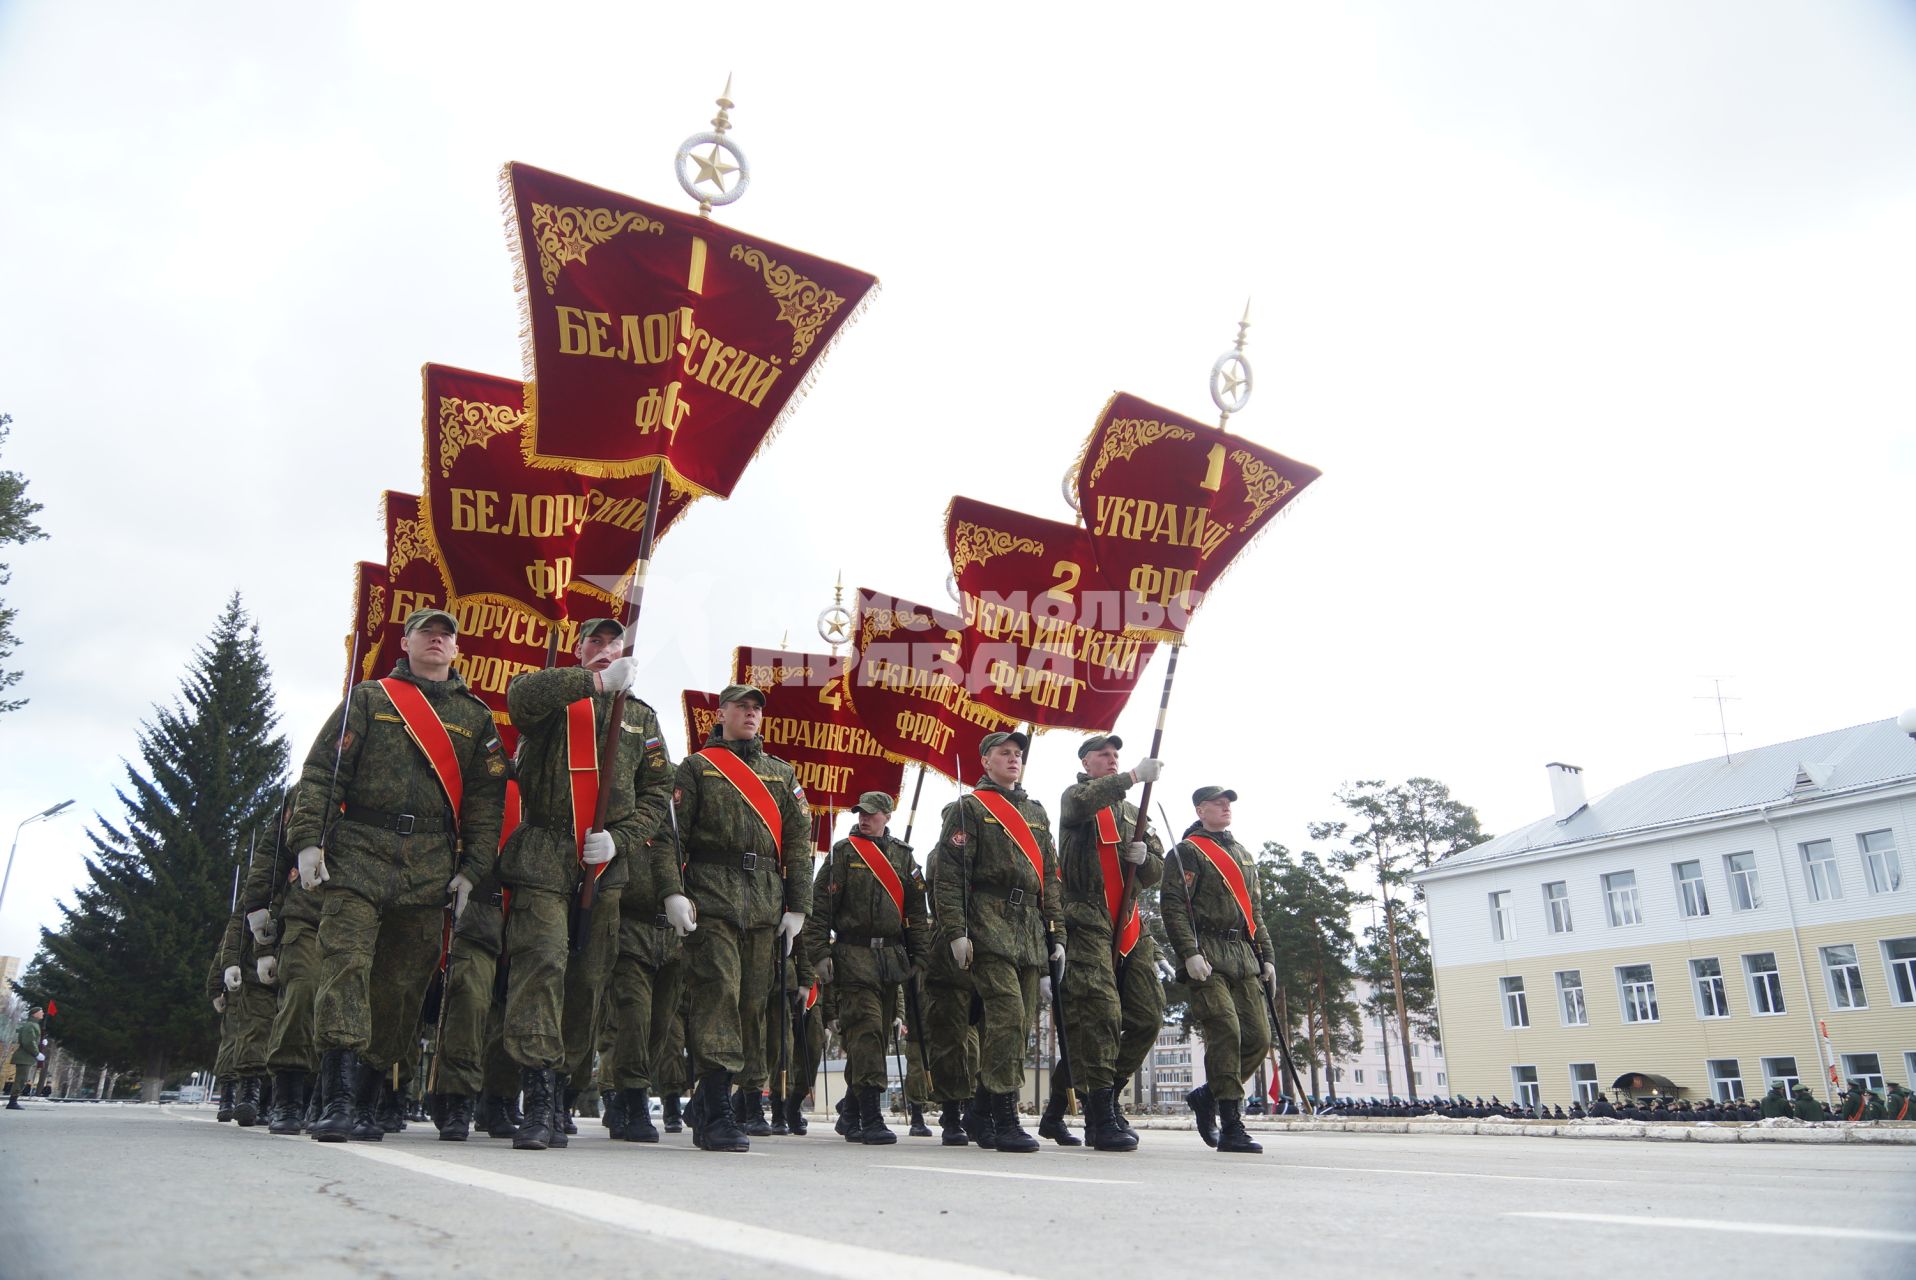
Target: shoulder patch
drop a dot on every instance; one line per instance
(496, 766)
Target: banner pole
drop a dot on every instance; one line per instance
(1129, 897)
(916, 791)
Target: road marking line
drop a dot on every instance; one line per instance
(1448, 1173)
(1748, 1228)
(715, 1235)
(1021, 1177)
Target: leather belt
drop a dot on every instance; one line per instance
(867, 940)
(736, 861)
(405, 824)
(1224, 935)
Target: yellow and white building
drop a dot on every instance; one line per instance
(1699, 927)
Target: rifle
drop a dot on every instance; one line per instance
(1128, 895)
(784, 1002)
(915, 1028)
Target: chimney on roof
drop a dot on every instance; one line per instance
(1566, 790)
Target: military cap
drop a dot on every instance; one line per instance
(1211, 793)
(1098, 742)
(990, 740)
(874, 802)
(740, 692)
(420, 617)
(592, 627)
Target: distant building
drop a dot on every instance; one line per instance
(1690, 932)
(1376, 1069)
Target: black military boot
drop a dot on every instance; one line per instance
(227, 1089)
(1231, 1137)
(749, 1111)
(366, 1126)
(390, 1109)
(289, 1102)
(1101, 1127)
(673, 1114)
(338, 1072)
(1051, 1123)
(777, 1119)
(502, 1118)
(311, 1118)
(872, 1129)
(456, 1123)
(612, 1114)
(919, 1129)
(1007, 1134)
(1199, 1100)
(952, 1125)
(568, 1098)
(246, 1102)
(560, 1117)
(979, 1120)
(637, 1105)
(713, 1127)
(13, 1099)
(1117, 1105)
(536, 1131)
(846, 1126)
(795, 1118)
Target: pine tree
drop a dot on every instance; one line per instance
(1308, 911)
(16, 526)
(128, 965)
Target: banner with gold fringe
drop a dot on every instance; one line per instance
(659, 338)
(369, 615)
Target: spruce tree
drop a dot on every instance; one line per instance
(128, 965)
(16, 526)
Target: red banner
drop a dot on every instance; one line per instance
(369, 615)
(413, 577)
(659, 337)
(907, 685)
(1169, 502)
(515, 534)
(1043, 632)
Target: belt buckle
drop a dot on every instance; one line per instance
(749, 862)
(403, 823)
(877, 944)
(1016, 898)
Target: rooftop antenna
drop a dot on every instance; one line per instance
(1722, 725)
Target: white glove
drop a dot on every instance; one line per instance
(232, 977)
(1147, 770)
(961, 952)
(618, 676)
(268, 969)
(681, 914)
(312, 868)
(219, 1004)
(824, 970)
(261, 923)
(40, 1057)
(1270, 978)
(831, 1025)
(460, 888)
(598, 846)
(788, 926)
(1057, 954)
(1199, 968)
(1134, 853)
(1044, 989)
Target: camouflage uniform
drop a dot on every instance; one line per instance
(945, 998)
(779, 1016)
(249, 1011)
(1202, 916)
(646, 984)
(389, 858)
(735, 877)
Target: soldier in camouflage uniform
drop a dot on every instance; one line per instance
(917, 1074)
(671, 1064)
(1111, 1018)
(1000, 915)
(647, 982)
(224, 1085)
(552, 1002)
(250, 1006)
(867, 947)
(1224, 956)
(810, 1008)
(389, 862)
(27, 1055)
(733, 899)
(951, 1041)
(284, 921)
(797, 978)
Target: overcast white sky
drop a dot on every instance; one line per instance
(1596, 317)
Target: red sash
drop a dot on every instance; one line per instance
(582, 767)
(1233, 877)
(1114, 881)
(430, 736)
(509, 821)
(811, 996)
(1017, 828)
(751, 786)
(881, 867)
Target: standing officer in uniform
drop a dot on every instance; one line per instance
(553, 992)
(249, 1012)
(1225, 950)
(951, 1041)
(746, 831)
(646, 985)
(1000, 916)
(27, 1053)
(284, 921)
(869, 930)
(406, 747)
(1111, 1019)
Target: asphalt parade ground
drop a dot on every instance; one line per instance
(164, 1191)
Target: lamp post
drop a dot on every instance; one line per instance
(44, 813)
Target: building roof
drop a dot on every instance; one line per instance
(1829, 764)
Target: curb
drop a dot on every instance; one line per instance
(1810, 1132)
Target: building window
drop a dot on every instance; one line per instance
(1556, 901)
(1638, 990)
(1570, 997)
(1357, 1075)
(1819, 870)
(1503, 920)
(1583, 1082)
(1899, 960)
(1865, 1067)
(1419, 1076)
(1620, 896)
(1711, 1000)
(1845, 978)
(1781, 1071)
(1726, 1080)
(1416, 1051)
(1744, 893)
(1689, 878)
(1440, 1080)
(1766, 984)
(1523, 1083)
(1881, 866)
(1337, 1074)
(1516, 1007)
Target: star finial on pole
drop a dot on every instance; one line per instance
(713, 167)
(1231, 375)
